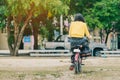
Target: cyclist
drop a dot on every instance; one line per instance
(77, 32)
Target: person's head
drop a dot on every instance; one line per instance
(79, 17)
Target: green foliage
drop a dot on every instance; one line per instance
(11, 39)
(85, 7)
(93, 21)
(105, 14)
(50, 28)
(22, 11)
(21, 7)
(2, 17)
(107, 11)
(57, 6)
(81, 6)
(102, 14)
(47, 31)
(44, 32)
(117, 26)
(16, 7)
(98, 13)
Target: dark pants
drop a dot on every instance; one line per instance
(79, 41)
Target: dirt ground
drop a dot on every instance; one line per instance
(57, 68)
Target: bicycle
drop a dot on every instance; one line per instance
(78, 55)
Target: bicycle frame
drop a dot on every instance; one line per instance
(76, 56)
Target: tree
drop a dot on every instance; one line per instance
(81, 6)
(98, 13)
(21, 11)
(106, 13)
(2, 16)
(85, 7)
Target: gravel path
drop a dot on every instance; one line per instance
(31, 63)
(41, 62)
(52, 68)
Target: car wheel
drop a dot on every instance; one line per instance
(96, 52)
(59, 48)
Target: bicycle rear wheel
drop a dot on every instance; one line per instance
(76, 68)
(77, 65)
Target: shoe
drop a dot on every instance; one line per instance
(71, 67)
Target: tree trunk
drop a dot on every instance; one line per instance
(35, 33)
(8, 35)
(36, 25)
(107, 34)
(20, 36)
(16, 32)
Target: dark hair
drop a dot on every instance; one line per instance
(79, 17)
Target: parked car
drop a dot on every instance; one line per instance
(96, 46)
(61, 42)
